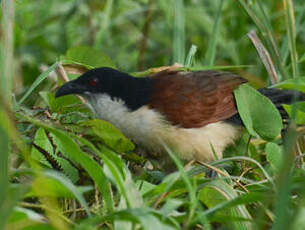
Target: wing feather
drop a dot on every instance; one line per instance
(194, 99)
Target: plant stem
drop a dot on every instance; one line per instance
(6, 58)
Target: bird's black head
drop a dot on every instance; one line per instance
(134, 91)
(100, 80)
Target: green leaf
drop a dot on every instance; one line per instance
(190, 56)
(54, 188)
(211, 51)
(21, 214)
(299, 113)
(179, 33)
(89, 57)
(114, 167)
(70, 186)
(258, 113)
(41, 139)
(4, 162)
(296, 84)
(38, 80)
(144, 216)
(63, 105)
(110, 135)
(66, 144)
(217, 192)
(72, 150)
(169, 208)
(4, 191)
(274, 156)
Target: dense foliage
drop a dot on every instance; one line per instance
(60, 168)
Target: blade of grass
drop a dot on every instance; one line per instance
(291, 33)
(242, 158)
(9, 195)
(105, 22)
(179, 37)
(284, 52)
(191, 190)
(260, 18)
(190, 56)
(39, 79)
(6, 65)
(211, 52)
(268, 28)
(283, 213)
(69, 146)
(70, 186)
(4, 146)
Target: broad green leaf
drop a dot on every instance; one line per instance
(67, 145)
(27, 219)
(274, 156)
(144, 186)
(70, 186)
(20, 214)
(41, 139)
(171, 206)
(63, 105)
(89, 57)
(110, 135)
(116, 170)
(299, 116)
(72, 150)
(217, 192)
(54, 188)
(258, 113)
(295, 83)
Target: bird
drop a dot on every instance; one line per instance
(193, 113)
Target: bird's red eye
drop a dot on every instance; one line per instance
(93, 82)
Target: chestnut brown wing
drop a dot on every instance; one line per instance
(194, 99)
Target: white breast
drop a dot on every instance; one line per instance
(149, 129)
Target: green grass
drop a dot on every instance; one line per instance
(61, 169)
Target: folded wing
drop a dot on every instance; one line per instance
(194, 99)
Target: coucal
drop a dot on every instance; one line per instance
(193, 113)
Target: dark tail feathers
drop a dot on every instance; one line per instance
(279, 97)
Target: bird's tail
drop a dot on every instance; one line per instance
(279, 97)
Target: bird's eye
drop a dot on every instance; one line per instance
(93, 82)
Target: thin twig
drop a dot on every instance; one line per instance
(44, 207)
(265, 56)
(62, 73)
(213, 168)
(222, 173)
(160, 199)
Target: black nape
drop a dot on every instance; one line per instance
(135, 92)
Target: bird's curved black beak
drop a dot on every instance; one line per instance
(71, 87)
